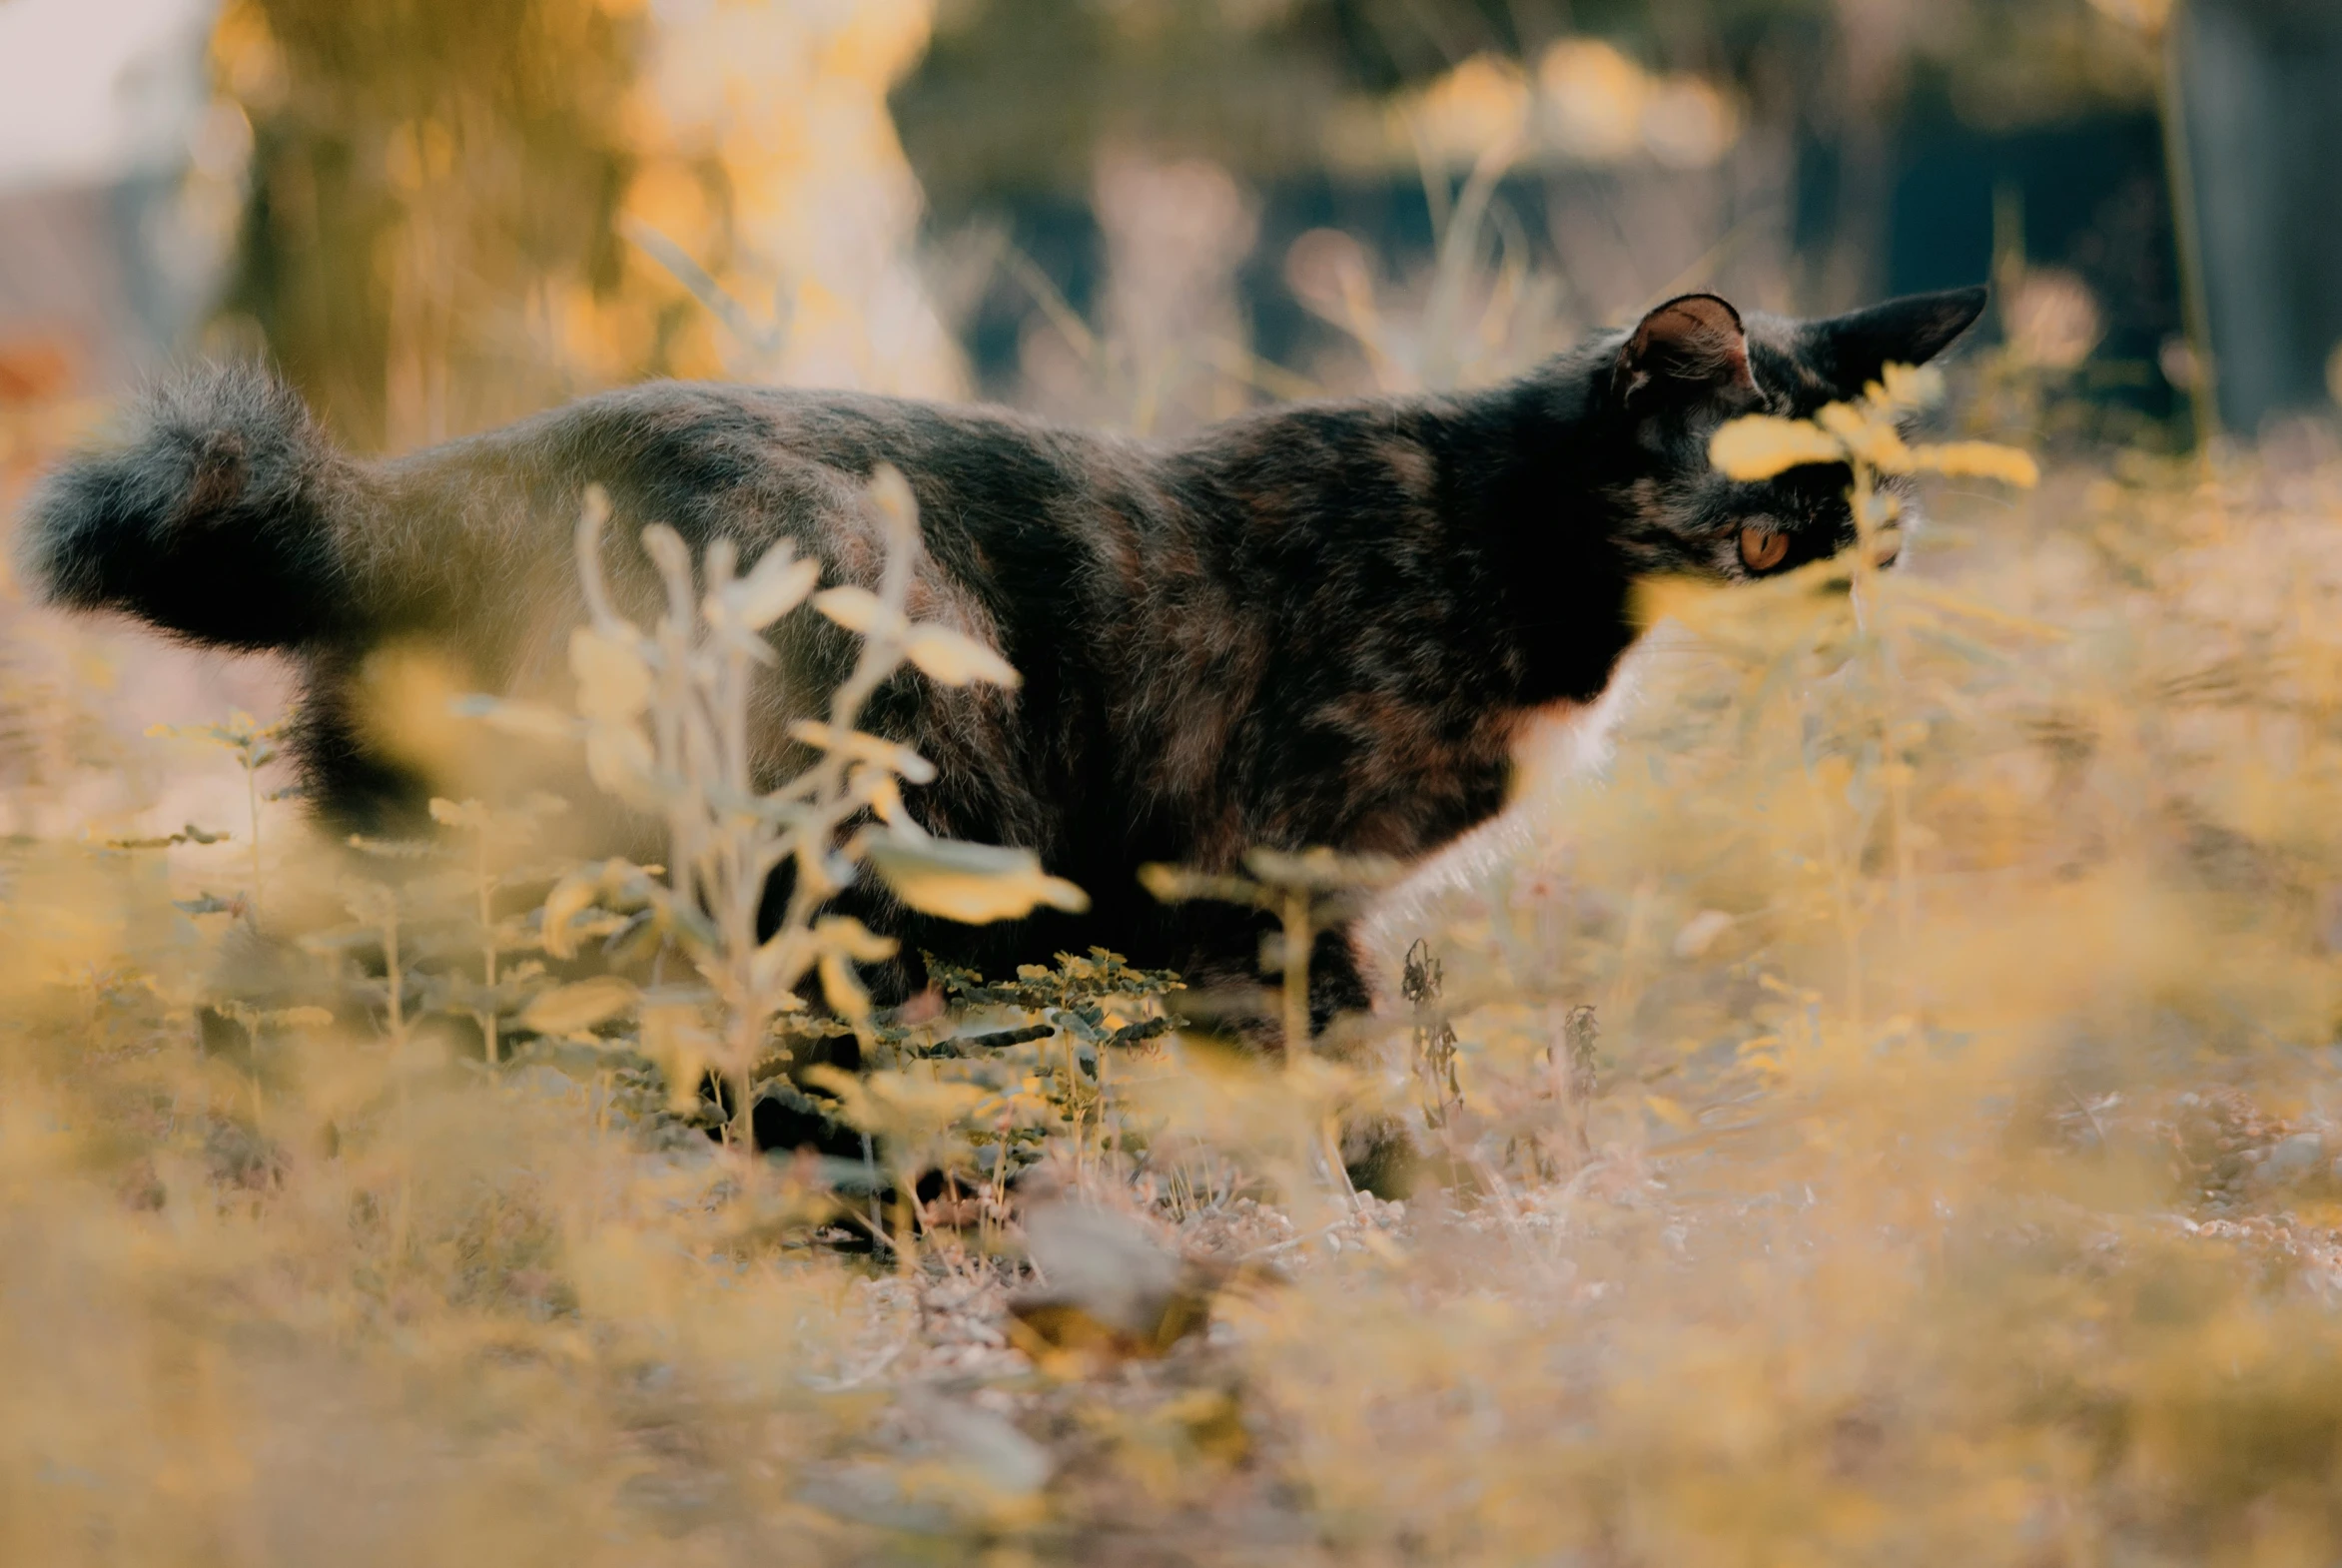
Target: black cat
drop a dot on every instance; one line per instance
(1320, 624)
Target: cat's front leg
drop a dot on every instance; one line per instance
(1337, 977)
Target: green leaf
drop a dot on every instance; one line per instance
(574, 1008)
(775, 585)
(956, 659)
(974, 883)
(1761, 447)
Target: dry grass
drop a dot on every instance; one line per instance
(1886, 1114)
(1889, 1115)
(1952, 1182)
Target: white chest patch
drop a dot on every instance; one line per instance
(1555, 744)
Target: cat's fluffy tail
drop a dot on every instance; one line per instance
(220, 518)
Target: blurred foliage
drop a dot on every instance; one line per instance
(462, 212)
(1015, 94)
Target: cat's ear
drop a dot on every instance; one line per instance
(1849, 352)
(1688, 348)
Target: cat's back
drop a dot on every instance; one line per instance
(711, 458)
(704, 435)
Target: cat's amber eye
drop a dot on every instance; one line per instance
(1761, 550)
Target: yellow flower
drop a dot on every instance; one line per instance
(1761, 446)
(1869, 433)
(1982, 461)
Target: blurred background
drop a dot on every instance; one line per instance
(1956, 1175)
(441, 213)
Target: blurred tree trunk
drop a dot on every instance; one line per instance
(2261, 101)
(434, 186)
(1865, 92)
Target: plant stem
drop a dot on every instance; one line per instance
(1296, 971)
(252, 795)
(487, 928)
(2180, 169)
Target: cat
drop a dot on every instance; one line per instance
(1326, 623)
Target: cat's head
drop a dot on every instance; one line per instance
(1695, 362)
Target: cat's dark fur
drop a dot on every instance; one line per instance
(1319, 625)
